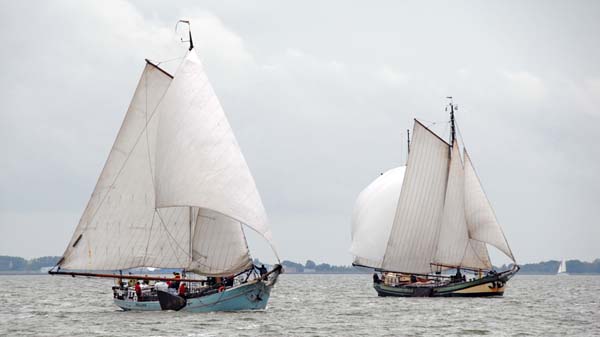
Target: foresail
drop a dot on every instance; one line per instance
(476, 256)
(373, 217)
(219, 245)
(198, 160)
(480, 216)
(454, 245)
(413, 240)
(119, 228)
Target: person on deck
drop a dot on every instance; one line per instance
(182, 289)
(228, 281)
(458, 277)
(138, 291)
(376, 278)
(175, 284)
(262, 270)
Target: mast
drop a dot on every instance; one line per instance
(452, 126)
(407, 142)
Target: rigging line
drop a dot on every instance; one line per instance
(172, 213)
(162, 261)
(171, 236)
(173, 59)
(434, 122)
(149, 238)
(148, 139)
(126, 158)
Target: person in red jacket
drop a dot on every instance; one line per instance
(182, 289)
(138, 290)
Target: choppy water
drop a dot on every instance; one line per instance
(308, 305)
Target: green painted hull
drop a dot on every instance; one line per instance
(491, 285)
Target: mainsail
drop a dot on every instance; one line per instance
(415, 230)
(175, 189)
(442, 217)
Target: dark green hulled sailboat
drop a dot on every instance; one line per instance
(415, 223)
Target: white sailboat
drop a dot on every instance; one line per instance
(416, 221)
(562, 268)
(175, 192)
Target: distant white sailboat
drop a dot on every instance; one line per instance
(562, 268)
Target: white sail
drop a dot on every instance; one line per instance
(562, 268)
(373, 216)
(171, 199)
(480, 216)
(413, 238)
(219, 245)
(119, 228)
(198, 160)
(455, 248)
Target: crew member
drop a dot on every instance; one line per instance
(262, 270)
(181, 291)
(138, 291)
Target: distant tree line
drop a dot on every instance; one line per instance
(551, 267)
(323, 268)
(19, 264)
(14, 263)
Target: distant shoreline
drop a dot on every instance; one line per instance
(13, 265)
(33, 273)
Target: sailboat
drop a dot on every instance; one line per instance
(426, 225)
(562, 268)
(176, 193)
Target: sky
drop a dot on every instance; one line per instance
(319, 95)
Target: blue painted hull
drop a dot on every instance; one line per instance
(248, 296)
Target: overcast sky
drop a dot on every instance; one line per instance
(319, 96)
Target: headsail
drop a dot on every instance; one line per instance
(480, 216)
(413, 238)
(455, 248)
(219, 245)
(373, 217)
(175, 189)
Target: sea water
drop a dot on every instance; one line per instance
(308, 305)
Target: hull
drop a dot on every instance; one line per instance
(128, 305)
(253, 295)
(491, 285)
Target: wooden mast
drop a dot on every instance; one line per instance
(452, 125)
